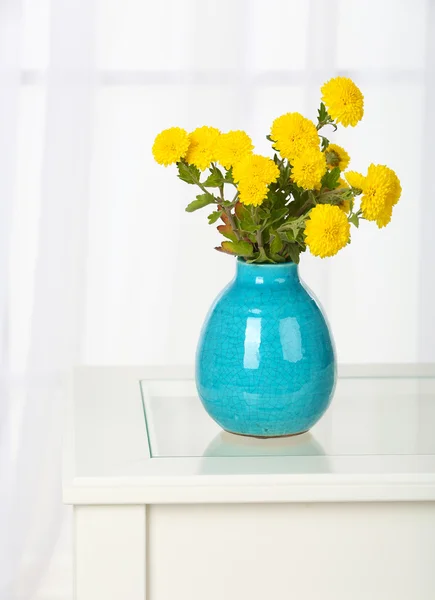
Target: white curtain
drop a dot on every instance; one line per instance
(100, 264)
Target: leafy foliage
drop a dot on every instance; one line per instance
(201, 201)
(188, 173)
(215, 179)
(238, 248)
(274, 231)
(270, 227)
(214, 216)
(330, 179)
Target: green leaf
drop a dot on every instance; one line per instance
(249, 227)
(276, 244)
(261, 257)
(214, 216)
(241, 211)
(201, 201)
(302, 203)
(324, 118)
(228, 232)
(262, 214)
(229, 176)
(277, 215)
(269, 138)
(188, 173)
(244, 217)
(322, 113)
(294, 251)
(330, 179)
(284, 174)
(274, 198)
(239, 248)
(325, 143)
(354, 220)
(277, 257)
(215, 179)
(287, 236)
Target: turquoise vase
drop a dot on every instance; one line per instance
(265, 363)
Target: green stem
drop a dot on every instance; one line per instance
(259, 239)
(199, 184)
(323, 123)
(320, 125)
(304, 207)
(227, 211)
(258, 233)
(234, 200)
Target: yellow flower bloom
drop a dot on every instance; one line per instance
(292, 134)
(255, 166)
(232, 147)
(344, 100)
(336, 156)
(202, 147)
(396, 188)
(252, 191)
(253, 174)
(381, 191)
(309, 168)
(327, 230)
(385, 216)
(170, 146)
(354, 179)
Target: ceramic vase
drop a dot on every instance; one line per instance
(265, 364)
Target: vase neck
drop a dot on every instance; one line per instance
(268, 275)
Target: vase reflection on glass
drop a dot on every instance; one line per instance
(265, 363)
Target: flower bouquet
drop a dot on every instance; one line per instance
(301, 198)
(265, 363)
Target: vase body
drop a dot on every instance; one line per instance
(265, 363)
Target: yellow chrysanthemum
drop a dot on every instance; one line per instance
(232, 147)
(292, 134)
(355, 180)
(385, 215)
(327, 230)
(170, 146)
(309, 168)
(252, 191)
(336, 156)
(253, 174)
(255, 166)
(344, 100)
(202, 147)
(381, 191)
(396, 188)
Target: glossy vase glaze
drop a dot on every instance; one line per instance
(265, 363)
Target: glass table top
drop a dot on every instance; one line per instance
(368, 416)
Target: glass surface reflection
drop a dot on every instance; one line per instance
(369, 416)
(228, 444)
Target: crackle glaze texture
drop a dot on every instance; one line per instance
(265, 363)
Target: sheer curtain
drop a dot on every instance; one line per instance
(100, 264)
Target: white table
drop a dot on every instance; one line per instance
(170, 508)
